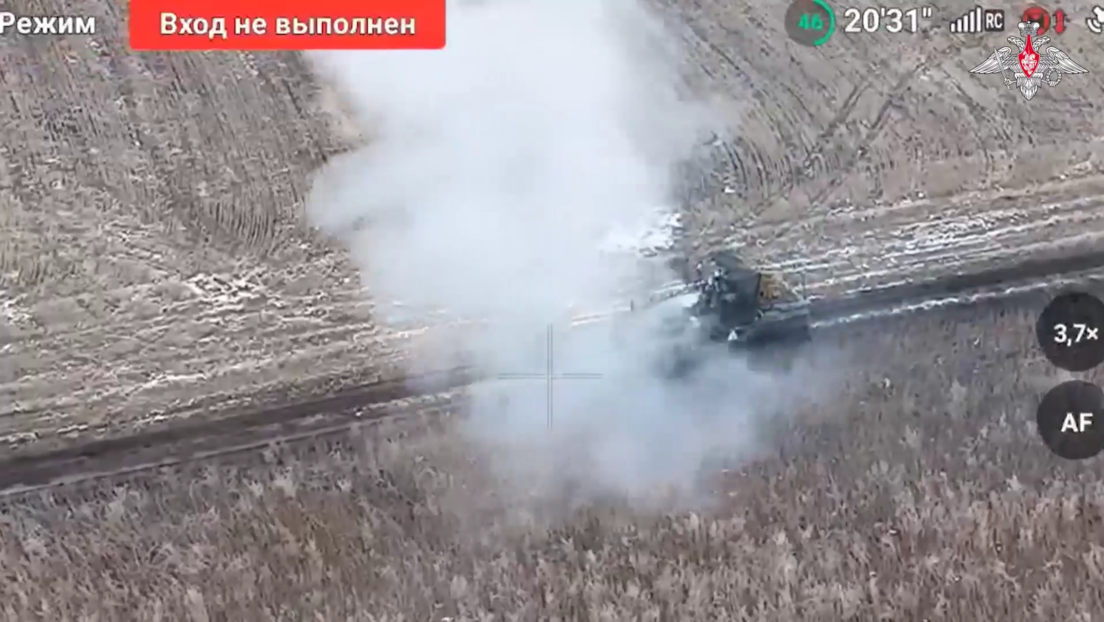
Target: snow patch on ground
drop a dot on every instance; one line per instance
(12, 309)
(651, 236)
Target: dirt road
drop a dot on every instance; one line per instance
(258, 423)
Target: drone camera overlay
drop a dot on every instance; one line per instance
(538, 310)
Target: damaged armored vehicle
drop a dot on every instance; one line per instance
(733, 306)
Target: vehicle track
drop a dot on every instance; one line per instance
(849, 248)
(261, 426)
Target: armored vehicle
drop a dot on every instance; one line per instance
(748, 308)
(738, 307)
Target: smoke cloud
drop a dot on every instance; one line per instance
(495, 170)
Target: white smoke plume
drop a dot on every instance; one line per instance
(495, 169)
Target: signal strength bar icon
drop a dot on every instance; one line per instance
(978, 20)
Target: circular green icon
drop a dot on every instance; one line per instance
(810, 22)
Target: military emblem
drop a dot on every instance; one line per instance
(1030, 69)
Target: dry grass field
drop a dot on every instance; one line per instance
(919, 492)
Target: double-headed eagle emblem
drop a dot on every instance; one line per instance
(1030, 69)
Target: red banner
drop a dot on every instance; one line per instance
(182, 25)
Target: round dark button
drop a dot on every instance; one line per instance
(1070, 420)
(1070, 331)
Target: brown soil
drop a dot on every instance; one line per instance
(881, 117)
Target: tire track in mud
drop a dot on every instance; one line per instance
(868, 121)
(338, 412)
(816, 142)
(851, 248)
